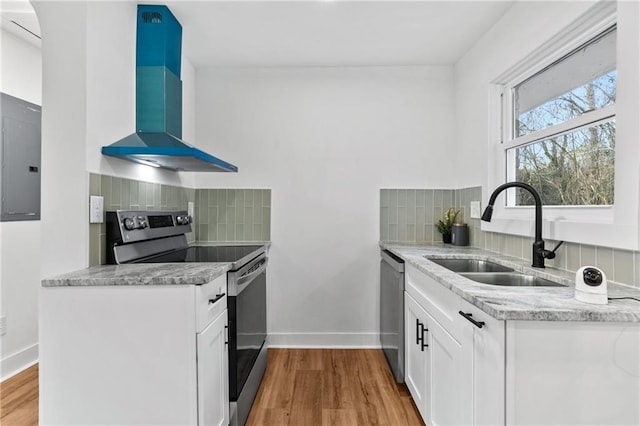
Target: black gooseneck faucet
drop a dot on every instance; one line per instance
(539, 252)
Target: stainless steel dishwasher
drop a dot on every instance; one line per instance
(392, 312)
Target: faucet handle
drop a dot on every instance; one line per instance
(551, 254)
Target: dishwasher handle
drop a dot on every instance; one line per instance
(392, 260)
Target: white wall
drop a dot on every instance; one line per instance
(21, 76)
(325, 140)
(88, 100)
(521, 30)
(88, 51)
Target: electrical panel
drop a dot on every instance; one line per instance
(20, 141)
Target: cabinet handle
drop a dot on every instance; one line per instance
(424, 345)
(478, 324)
(420, 335)
(218, 297)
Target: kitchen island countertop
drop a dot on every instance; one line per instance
(519, 303)
(169, 273)
(141, 274)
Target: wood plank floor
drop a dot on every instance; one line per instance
(300, 387)
(331, 387)
(19, 399)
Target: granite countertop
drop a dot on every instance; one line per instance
(190, 273)
(519, 303)
(141, 274)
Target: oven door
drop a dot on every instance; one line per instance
(247, 305)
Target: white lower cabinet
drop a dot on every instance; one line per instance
(450, 366)
(447, 376)
(134, 355)
(213, 372)
(572, 373)
(417, 373)
(485, 341)
(438, 369)
(464, 367)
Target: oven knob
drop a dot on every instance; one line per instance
(142, 222)
(183, 220)
(129, 224)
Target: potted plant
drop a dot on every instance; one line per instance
(445, 224)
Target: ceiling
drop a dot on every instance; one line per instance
(331, 33)
(305, 33)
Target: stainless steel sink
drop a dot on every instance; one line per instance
(470, 265)
(510, 279)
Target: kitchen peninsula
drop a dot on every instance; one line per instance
(120, 345)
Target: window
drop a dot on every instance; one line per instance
(561, 130)
(566, 113)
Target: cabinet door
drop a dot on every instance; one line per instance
(416, 356)
(213, 374)
(487, 340)
(450, 371)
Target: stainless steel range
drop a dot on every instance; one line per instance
(159, 237)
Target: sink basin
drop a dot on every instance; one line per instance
(510, 279)
(470, 265)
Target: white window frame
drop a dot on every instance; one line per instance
(611, 226)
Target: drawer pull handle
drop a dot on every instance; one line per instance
(218, 297)
(478, 324)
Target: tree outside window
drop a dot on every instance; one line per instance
(556, 148)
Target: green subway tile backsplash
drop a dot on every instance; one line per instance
(408, 216)
(623, 266)
(233, 214)
(219, 214)
(129, 194)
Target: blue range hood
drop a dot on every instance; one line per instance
(158, 138)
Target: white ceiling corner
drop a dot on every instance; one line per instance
(313, 33)
(18, 18)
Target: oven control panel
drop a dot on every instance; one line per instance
(127, 226)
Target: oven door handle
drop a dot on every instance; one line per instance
(246, 279)
(238, 280)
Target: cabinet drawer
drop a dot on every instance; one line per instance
(211, 301)
(436, 299)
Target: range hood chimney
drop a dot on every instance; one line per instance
(158, 138)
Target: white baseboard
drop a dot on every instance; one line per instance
(17, 362)
(324, 340)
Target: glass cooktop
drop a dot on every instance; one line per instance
(203, 254)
